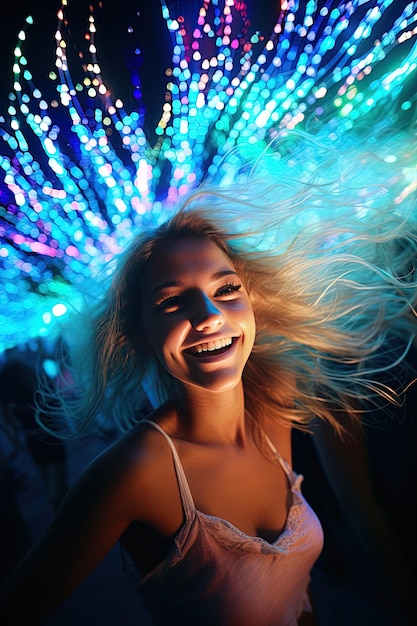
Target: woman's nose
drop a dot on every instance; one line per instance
(207, 316)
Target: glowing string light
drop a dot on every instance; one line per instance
(71, 196)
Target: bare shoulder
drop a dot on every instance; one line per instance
(136, 475)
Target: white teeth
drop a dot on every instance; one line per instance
(212, 345)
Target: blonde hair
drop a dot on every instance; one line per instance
(329, 267)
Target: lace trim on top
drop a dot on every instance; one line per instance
(230, 536)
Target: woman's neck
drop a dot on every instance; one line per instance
(210, 417)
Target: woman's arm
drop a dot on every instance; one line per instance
(90, 520)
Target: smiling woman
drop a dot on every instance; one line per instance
(280, 295)
(236, 344)
(200, 324)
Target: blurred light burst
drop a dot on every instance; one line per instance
(79, 174)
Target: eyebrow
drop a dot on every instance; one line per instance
(175, 283)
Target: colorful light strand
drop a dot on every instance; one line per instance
(79, 175)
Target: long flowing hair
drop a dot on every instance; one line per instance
(327, 248)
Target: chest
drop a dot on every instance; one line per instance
(250, 490)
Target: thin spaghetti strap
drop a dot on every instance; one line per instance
(185, 492)
(285, 465)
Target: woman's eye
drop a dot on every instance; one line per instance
(228, 290)
(168, 304)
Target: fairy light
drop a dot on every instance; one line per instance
(67, 211)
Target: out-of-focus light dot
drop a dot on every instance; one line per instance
(121, 206)
(72, 251)
(50, 367)
(10, 287)
(59, 309)
(321, 92)
(344, 112)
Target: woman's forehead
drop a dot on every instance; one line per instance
(187, 255)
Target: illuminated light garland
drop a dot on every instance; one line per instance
(66, 212)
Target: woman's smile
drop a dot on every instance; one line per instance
(211, 348)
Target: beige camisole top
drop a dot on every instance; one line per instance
(216, 575)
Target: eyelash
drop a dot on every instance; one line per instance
(228, 288)
(224, 290)
(160, 303)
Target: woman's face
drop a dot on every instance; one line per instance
(197, 314)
